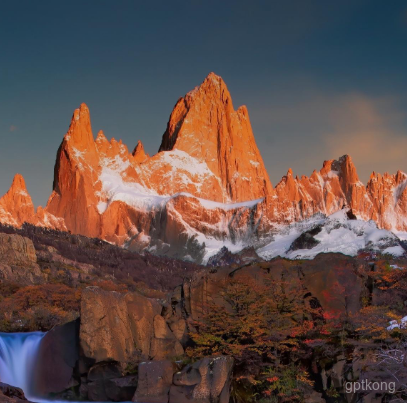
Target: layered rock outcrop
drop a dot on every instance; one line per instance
(206, 187)
(335, 281)
(98, 355)
(124, 328)
(205, 381)
(105, 382)
(154, 382)
(18, 260)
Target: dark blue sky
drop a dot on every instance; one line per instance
(320, 78)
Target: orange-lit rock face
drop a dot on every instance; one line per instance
(139, 153)
(74, 197)
(16, 205)
(207, 184)
(336, 185)
(101, 189)
(204, 125)
(389, 198)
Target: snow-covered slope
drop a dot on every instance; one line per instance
(339, 232)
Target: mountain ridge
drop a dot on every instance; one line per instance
(207, 186)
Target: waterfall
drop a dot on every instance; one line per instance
(18, 353)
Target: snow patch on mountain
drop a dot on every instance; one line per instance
(180, 160)
(141, 198)
(212, 245)
(211, 205)
(334, 233)
(180, 168)
(131, 193)
(394, 250)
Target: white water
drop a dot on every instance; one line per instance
(18, 352)
(18, 355)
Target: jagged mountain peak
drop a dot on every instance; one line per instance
(80, 130)
(101, 138)
(207, 187)
(16, 206)
(138, 153)
(204, 125)
(18, 183)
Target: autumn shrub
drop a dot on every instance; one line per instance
(39, 307)
(46, 317)
(262, 326)
(8, 288)
(273, 326)
(286, 384)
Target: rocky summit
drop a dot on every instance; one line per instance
(206, 188)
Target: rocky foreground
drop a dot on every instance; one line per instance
(270, 331)
(10, 394)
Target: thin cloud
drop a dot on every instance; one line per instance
(372, 131)
(312, 126)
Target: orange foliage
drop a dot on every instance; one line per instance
(39, 307)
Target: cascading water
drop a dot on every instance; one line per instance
(18, 352)
(18, 359)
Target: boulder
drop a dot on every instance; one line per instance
(124, 328)
(97, 391)
(18, 260)
(11, 394)
(190, 376)
(154, 381)
(105, 370)
(164, 344)
(206, 381)
(57, 357)
(107, 383)
(121, 389)
(165, 348)
(17, 250)
(179, 329)
(105, 334)
(116, 327)
(161, 329)
(181, 394)
(141, 313)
